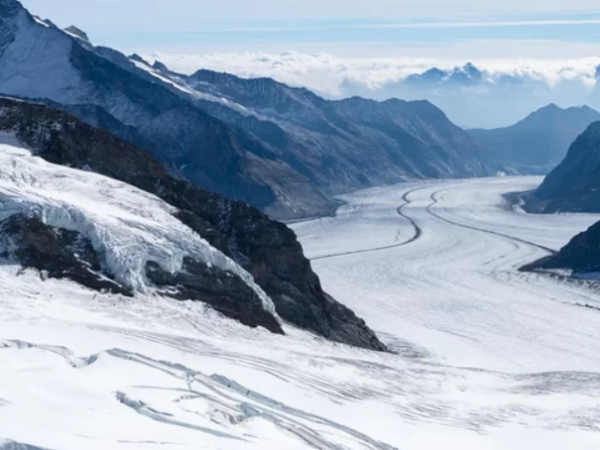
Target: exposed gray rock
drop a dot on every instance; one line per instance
(223, 291)
(580, 256)
(55, 252)
(342, 145)
(199, 147)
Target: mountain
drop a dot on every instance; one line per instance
(579, 258)
(40, 61)
(82, 204)
(283, 150)
(471, 96)
(573, 186)
(538, 143)
(347, 143)
(485, 96)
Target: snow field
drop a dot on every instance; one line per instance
(488, 358)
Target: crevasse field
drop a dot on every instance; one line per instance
(487, 357)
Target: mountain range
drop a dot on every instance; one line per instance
(281, 149)
(539, 142)
(490, 96)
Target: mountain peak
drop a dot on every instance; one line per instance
(138, 58)
(551, 107)
(554, 109)
(77, 33)
(160, 66)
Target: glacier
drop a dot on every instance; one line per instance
(125, 225)
(486, 357)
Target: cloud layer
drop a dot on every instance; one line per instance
(513, 87)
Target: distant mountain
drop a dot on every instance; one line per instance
(470, 96)
(465, 76)
(574, 185)
(284, 150)
(347, 143)
(61, 218)
(579, 258)
(536, 144)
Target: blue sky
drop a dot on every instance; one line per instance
(359, 28)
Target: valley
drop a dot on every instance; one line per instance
(457, 290)
(486, 357)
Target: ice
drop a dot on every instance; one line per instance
(126, 226)
(488, 358)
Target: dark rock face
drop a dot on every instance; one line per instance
(539, 142)
(57, 252)
(267, 249)
(224, 291)
(581, 255)
(573, 186)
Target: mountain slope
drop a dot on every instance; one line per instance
(41, 61)
(108, 236)
(266, 250)
(580, 257)
(575, 184)
(347, 143)
(539, 142)
(283, 150)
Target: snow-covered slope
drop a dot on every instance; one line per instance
(127, 226)
(488, 358)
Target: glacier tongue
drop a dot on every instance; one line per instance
(126, 226)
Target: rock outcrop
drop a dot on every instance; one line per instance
(223, 291)
(56, 253)
(581, 256)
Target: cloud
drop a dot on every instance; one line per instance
(509, 88)
(325, 73)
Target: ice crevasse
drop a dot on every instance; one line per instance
(127, 227)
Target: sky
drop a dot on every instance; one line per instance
(345, 28)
